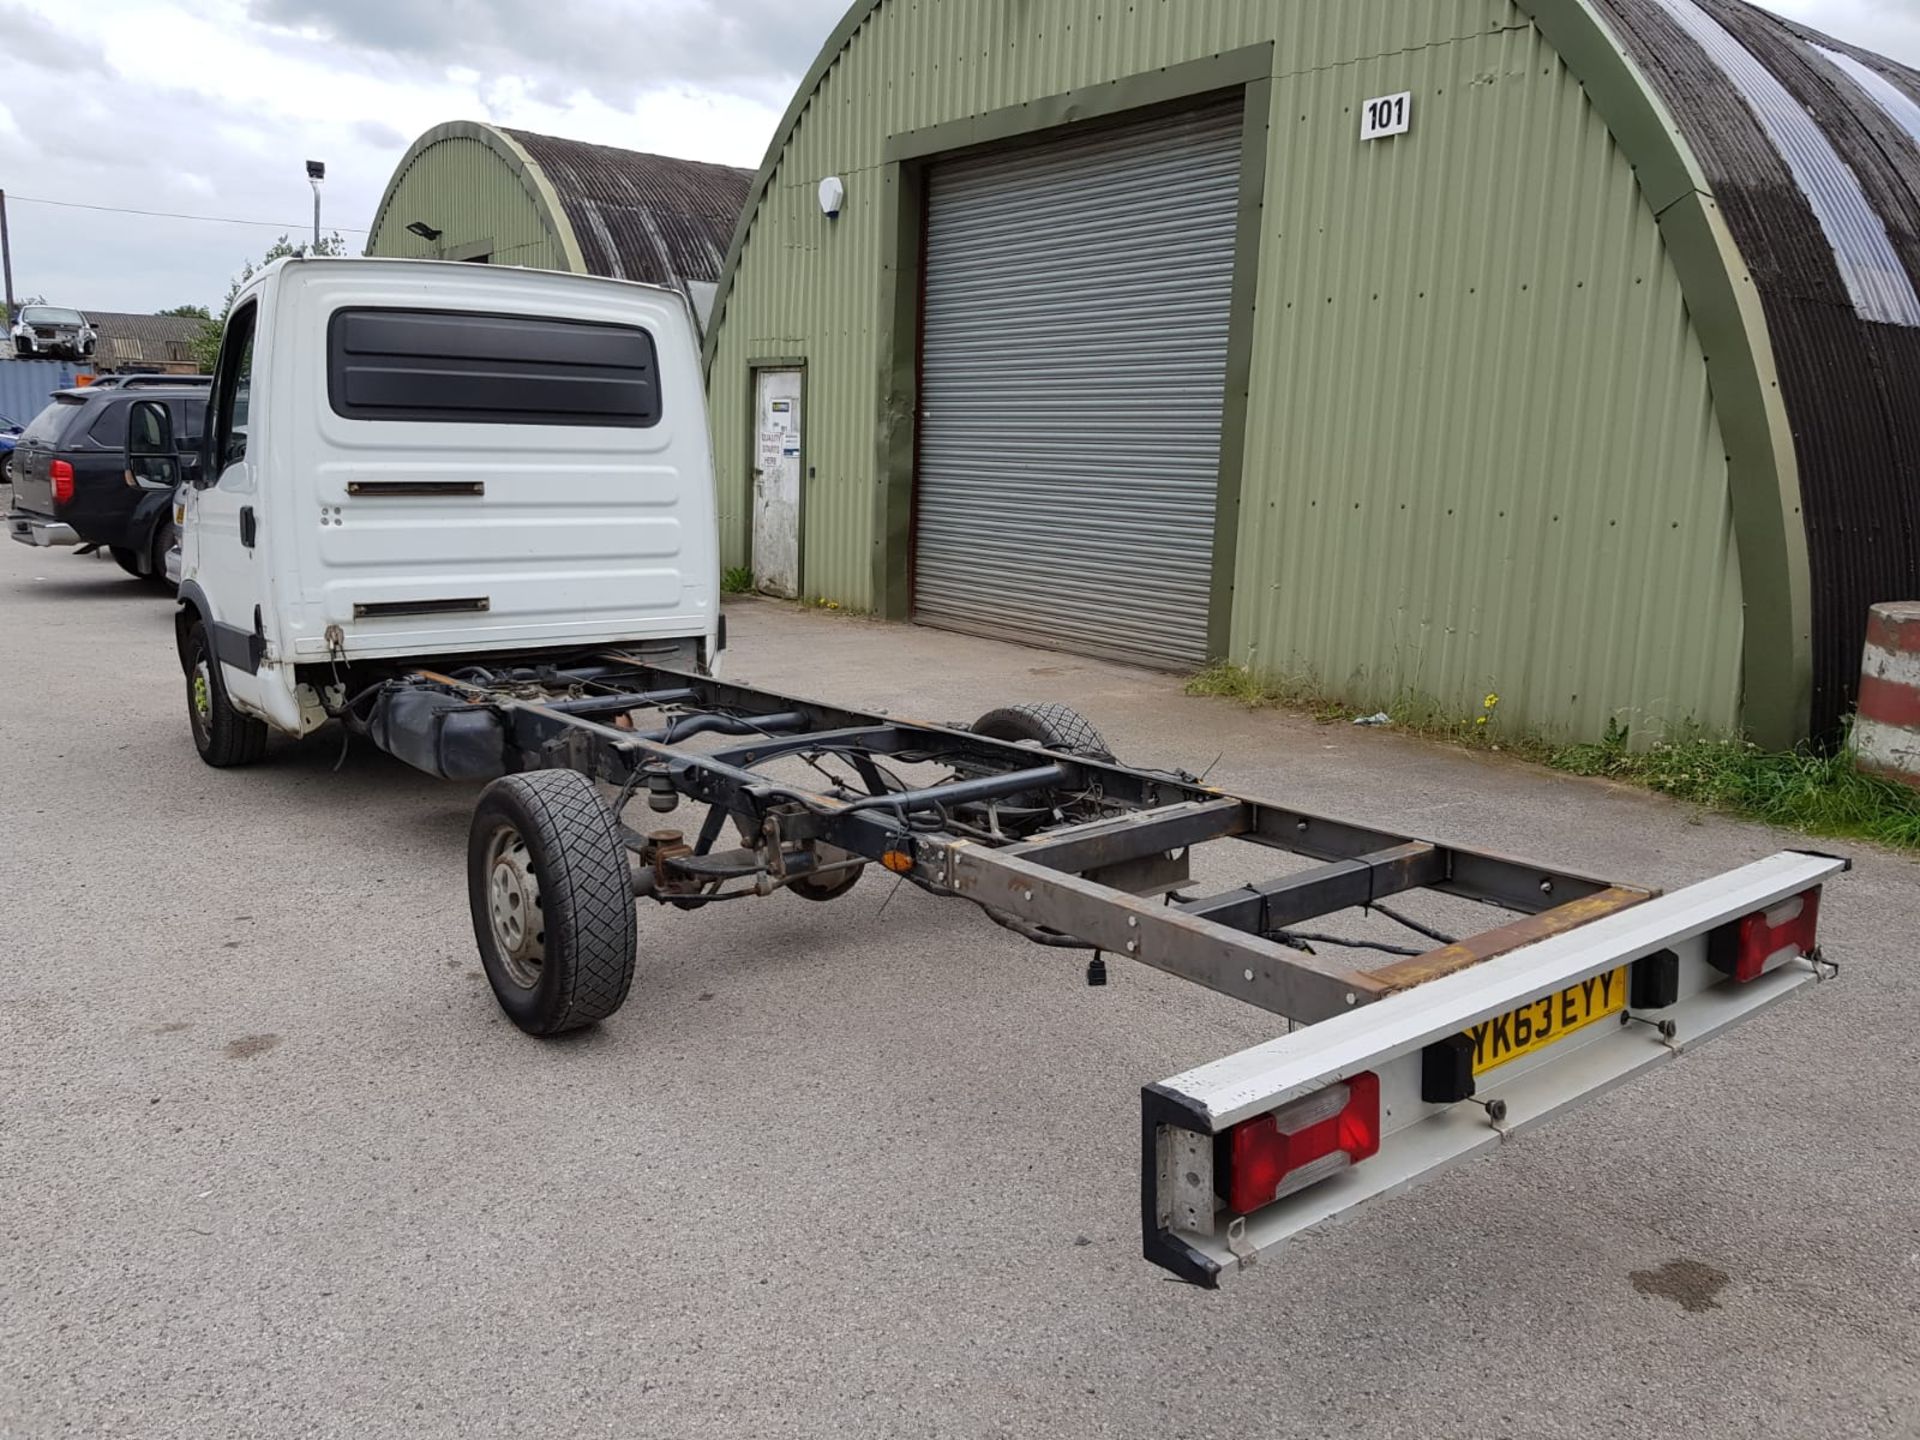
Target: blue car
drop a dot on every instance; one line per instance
(10, 429)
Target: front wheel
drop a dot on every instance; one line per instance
(165, 536)
(224, 737)
(552, 900)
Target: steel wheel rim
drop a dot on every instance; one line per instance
(514, 911)
(200, 700)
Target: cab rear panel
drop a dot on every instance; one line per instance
(463, 460)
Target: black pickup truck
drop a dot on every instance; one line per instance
(95, 469)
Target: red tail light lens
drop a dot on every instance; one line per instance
(61, 474)
(1314, 1137)
(1757, 943)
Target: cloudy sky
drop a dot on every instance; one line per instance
(210, 108)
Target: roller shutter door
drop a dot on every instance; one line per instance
(1073, 375)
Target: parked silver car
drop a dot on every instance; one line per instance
(54, 331)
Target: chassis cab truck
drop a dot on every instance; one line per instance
(411, 460)
(468, 514)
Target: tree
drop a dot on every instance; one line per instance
(206, 345)
(187, 312)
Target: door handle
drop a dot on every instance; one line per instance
(247, 527)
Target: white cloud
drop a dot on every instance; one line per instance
(194, 106)
(1891, 27)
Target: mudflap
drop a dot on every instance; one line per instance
(441, 734)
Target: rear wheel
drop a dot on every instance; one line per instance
(223, 736)
(1051, 727)
(552, 900)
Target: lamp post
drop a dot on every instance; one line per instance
(316, 176)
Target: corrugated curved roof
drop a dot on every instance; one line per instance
(1811, 150)
(642, 217)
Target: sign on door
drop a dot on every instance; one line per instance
(776, 482)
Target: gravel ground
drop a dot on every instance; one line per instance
(274, 1164)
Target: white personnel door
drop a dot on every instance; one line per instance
(776, 482)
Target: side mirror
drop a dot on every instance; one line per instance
(152, 461)
(149, 428)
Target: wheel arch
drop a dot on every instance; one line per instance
(193, 609)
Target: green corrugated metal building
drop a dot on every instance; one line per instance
(467, 190)
(1399, 345)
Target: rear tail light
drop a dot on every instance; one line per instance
(1757, 943)
(61, 474)
(1302, 1143)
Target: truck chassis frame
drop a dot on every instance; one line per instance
(1071, 848)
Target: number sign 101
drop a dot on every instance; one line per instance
(1389, 115)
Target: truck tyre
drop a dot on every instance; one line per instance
(552, 900)
(1052, 727)
(223, 736)
(164, 534)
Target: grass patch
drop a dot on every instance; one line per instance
(1798, 790)
(1228, 681)
(1802, 789)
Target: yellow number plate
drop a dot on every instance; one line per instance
(1552, 1017)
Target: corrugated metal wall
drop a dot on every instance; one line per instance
(26, 384)
(1070, 397)
(462, 188)
(1481, 451)
(1483, 457)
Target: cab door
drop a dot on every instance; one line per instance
(221, 550)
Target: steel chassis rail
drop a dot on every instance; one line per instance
(1066, 880)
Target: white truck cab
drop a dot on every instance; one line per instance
(411, 461)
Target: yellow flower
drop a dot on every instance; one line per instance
(1481, 720)
(1491, 701)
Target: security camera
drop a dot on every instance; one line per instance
(316, 171)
